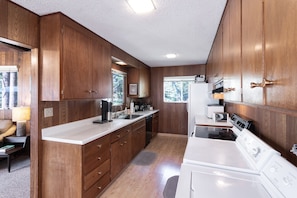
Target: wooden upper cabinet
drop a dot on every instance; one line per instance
(144, 82)
(252, 50)
(141, 76)
(216, 67)
(138, 73)
(18, 25)
(281, 52)
(232, 51)
(76, 63)
(102, 76)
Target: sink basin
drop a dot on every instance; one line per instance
(128, 117)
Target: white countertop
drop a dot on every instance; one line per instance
(202, 120)
(84, 131)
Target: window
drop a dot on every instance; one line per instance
(176, 88)
(118, 83)
(8, 87)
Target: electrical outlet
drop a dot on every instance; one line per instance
(48, 112)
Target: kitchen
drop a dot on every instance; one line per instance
(279, 117)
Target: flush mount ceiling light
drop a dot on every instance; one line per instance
(170, 55)
(141, 6)
(120, 63)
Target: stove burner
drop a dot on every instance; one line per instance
(223, 134)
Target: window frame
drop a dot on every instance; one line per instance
(188, 79)
(11, 89)
(124, 74)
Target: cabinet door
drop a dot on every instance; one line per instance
(215, 66)
(144, 82)
(19, 25)
(102, 79)
(141, 76)
(116, 158)
(76, 64)
(232, 51)
(138, 136)
(281, 52)
(120, 154)
(252, 50)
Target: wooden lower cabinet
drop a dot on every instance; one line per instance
(120, 150)
(138, 136)
(155, 124)
(76, 171)
(71, 170)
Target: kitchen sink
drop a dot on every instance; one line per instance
(129, 117)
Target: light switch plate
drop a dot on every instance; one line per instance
(48, 112)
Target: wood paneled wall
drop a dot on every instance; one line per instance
(277, 127)
(69, 111)
(173, 117)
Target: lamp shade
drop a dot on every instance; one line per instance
(20, 114)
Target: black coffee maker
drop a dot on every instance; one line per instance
(106, 111)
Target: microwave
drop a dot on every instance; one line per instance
(220, 117)
(210, 109)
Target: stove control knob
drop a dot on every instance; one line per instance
(255, 151)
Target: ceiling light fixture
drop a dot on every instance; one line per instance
(120, 63)
(141, 6)
(171, 55)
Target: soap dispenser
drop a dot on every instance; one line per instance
(131, 107)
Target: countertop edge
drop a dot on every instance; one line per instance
(59, 133)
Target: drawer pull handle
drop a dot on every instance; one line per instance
(99, 173)
(263, 84)
(99, 145)
(121, 144)
(99, 158)
(228, 90)
(99, 187)
(125, 142)
(118, 135)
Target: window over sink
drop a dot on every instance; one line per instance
(118, 84)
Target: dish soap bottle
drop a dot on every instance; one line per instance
(131, 107)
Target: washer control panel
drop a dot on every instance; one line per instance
(256, 150)
(282, 175)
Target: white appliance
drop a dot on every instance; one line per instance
(211, 109)
(278, 179)
(246, 154)
(198, 99)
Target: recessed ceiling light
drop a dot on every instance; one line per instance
(171, 55)
(120, 63)
(141, 6)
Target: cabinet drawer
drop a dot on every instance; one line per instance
(138, 124)
(95, 153)
(120, 133)
(98, 187)
(94, 161)
(96, 174)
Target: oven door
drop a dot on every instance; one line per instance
(223, 133)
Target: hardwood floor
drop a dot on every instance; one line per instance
(148, 172)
